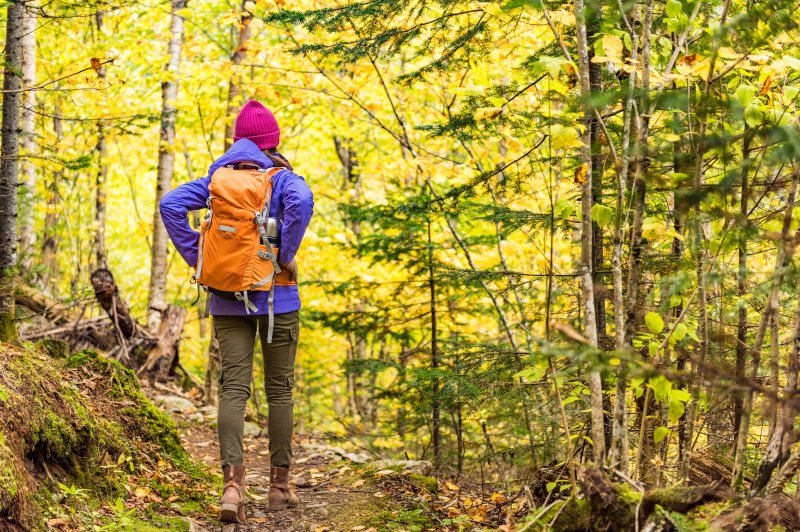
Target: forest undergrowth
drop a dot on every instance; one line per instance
(553, 255)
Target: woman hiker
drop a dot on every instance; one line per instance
(237, 321)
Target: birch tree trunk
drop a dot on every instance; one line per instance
(27, 235)
(100, 181)
(157, 298)
(619, 455)
(234, 90)
(9, 168)
(587, 284)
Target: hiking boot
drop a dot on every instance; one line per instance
(232, 503)
(281, 496)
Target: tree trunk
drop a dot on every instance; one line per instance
(741, 327)
(123, 324)
(48, 276)
(619, 455)
(157, 298)
(233, 87)
(9, 168)
(100, 181)
(642, 467)
(587, 285)
(786, 247)
(164, 357)
(27, 234)
(436, 421)
(781, 437)
(107, 294)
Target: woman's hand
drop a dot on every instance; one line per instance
(292, 269)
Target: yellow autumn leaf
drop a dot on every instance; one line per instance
(498, 498)
(513, 144)
(494, 9)
(452, 487)
(612, 47)
(580, 173)
(564, 137)
(141, 492)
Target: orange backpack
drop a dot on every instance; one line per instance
(235, 255)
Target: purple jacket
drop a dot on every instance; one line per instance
(291, 199)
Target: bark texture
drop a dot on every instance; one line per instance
(9, 167)
(107, 294)
(100, 181)
(157, 298)
(164, 357)
(587, 283)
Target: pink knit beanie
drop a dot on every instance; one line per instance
(257, 123)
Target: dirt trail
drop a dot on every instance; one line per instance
(333, 497)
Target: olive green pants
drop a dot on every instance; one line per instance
(237, 337)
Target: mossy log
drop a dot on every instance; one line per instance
(609, 506)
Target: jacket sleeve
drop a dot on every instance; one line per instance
(298, 206)
(175, 207)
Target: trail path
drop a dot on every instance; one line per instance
(333, 496)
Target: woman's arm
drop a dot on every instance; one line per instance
(298, 206)
(174, 208)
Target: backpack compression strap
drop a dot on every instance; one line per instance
(262, 219)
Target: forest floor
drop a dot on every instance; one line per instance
(336, 494)
(84, 448)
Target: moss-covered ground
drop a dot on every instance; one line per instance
(82, 448)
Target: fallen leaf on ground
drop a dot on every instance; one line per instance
(358, 483)
(384, 472)
(498, 498)
(452, 487)
(57, 522)
(141, 492)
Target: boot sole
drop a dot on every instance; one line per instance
(229, 513)
(279, 507)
